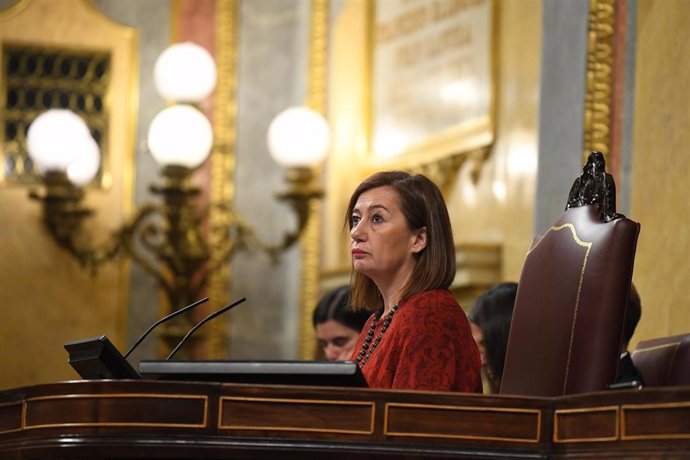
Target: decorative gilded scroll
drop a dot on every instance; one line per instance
(79, 33)
(599, 89)
(310, 241)
(222, 166)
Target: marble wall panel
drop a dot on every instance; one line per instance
(661, 164)
(272, 72)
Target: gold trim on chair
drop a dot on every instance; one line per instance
(588, 245)
(675, 346)
(657, 347)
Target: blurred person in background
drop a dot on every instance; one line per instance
(490, 319)
(337, 326)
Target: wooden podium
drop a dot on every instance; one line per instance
(153, 419)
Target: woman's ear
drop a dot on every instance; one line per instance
(420, 240)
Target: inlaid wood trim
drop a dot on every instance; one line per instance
(584, 415)
(4, 418)
(472, 411)
(645, 412)
(333, 411)
(202, 416)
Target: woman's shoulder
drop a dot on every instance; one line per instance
(432, 297)
(433, 302)
(432, 313)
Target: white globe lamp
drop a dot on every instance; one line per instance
(85, 166)
(299, 137)
(180, 135)
(55, 138)
(184, 72)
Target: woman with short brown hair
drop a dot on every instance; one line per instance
(403, 258)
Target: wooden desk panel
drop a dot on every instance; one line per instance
(11, 416)
(656, 421)
(463, 422)
(298, 415)
(125, 419)
(116, 409)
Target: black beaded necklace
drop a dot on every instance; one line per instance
(367, 346)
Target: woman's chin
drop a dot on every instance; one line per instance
(360, 266)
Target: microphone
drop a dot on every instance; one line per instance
(200, 323)
(164, 319)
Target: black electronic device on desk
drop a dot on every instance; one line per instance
(97, 358)
(320, 373)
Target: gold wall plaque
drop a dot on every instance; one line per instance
(432, 80)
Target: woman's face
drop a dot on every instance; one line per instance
(383, 246)
(479, 338)
(336, 340)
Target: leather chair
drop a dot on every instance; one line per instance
(566, 330)
(664, 361)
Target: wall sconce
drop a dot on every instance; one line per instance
(165, 238)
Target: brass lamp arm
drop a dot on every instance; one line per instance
(242, 235)
(63, 215)
(166, 239)
(127, 235)
(300, 200)
(88, 257)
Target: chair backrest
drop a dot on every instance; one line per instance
(664, 361)
(566, 330)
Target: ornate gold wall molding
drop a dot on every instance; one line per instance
(444, 171)
(599, 89)
(222, 166)
(310, 241)
(43, 275)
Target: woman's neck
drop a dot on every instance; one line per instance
(392, 285)
(392, 290)
(389, 300)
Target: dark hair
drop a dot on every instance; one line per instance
(335, 306)
(633, 312)
(422, 205)
(493, 312)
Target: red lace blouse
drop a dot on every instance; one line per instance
(427, 346)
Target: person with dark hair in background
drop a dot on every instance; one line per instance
(337, 326)
(627, 372)
(490, 319)
(403, 260)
